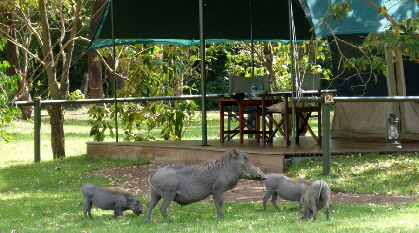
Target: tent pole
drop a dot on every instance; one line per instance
(326, 138)
(203, 77)
(114, 74)
(291, 26)
(252, 46)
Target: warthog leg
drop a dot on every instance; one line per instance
(327, 212)
(314, 209)
(87, 208)
(118, 209)
(274, 198)
(167, 199)
(218, 200)
(269, 193)
(154, 199)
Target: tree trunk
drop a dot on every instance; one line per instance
(22, 93)
(84, 84)
(56, 114)
(95, 66)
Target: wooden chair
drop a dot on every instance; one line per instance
(240, 84)
(278, 115)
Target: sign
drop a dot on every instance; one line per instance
(328, 99)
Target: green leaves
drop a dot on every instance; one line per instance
(100, 123)
(340, 11)
(156, 70)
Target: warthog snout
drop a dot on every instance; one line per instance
(138, 212)
(263, 177)
(137, 208)
(261, 174)
(256, 175)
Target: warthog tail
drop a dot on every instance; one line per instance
(320, 191)
(149, 180)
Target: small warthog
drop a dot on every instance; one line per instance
(109, 199)
(284, 187)
(316, 197)
(189, 184)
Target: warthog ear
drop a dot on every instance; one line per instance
(234, 153)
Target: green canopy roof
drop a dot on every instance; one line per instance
(177, 21)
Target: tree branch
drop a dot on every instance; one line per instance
(389, 18)
(12, 40)
(23, 17)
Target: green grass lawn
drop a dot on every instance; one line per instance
(46, 197)
(77, 129)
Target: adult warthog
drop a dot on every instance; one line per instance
(114, 199)
(316, 197)
(189, 184)
(285, 187)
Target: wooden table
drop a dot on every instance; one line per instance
(241, 104)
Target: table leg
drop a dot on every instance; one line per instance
(221, 106)
(258, 109)
(286, 128)
(241, 119)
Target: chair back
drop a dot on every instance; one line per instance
(309, 82)
(240, 84)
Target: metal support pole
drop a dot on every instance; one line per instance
(203, 76)
(294, 117)
(37, 129)
(252, 45)
(326, 138)
(114, 73)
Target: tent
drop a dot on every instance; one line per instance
(191, 22)
(366, 121)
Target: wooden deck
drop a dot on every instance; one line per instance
(271, 155)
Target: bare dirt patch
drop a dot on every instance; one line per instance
(134, 179)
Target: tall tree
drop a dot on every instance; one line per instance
(58, 90)
(54, 24)
(22, 93)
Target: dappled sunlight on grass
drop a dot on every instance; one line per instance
(368, 173)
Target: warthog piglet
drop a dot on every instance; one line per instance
(188, 184)
(284, 187)
(109, 199)
(316, 197)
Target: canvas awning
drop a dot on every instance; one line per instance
(177, 21)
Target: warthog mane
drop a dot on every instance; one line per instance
(118, 190)
(213, 165)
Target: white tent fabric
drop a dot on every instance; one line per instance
(368, 120)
